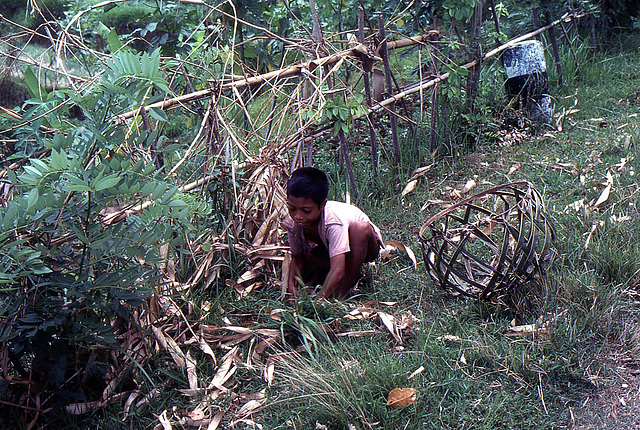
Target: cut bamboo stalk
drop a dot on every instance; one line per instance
(367, 92)
(556, 53)
(347, 161)
(473, 78)
(434, 102)
(429, 36)
(384, 53)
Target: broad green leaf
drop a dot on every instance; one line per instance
(147, 189)
(149, 169)
(158, 114)
(10, 217)
(33, 171)
(158, 191)
(107, 182)
(114, 163)
(55, 161)
(41, 270)
(161, 84)
(132, 64)
(40, 165)
(79, 188)
(32, 197)
(12, 176)
(33, 85)
(76, 184)
(155, 61)
(145, 65)
(114, 41)
(169, 194)
(176, 204)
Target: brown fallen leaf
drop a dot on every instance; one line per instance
(215, 421)
(390, 323)
(401, 397)
(164, 421)
(413, 181)
(407, 320)
(411, 185)
(225, 371)
(390, 245)
(605, 193)
(129, 402)
(170, 345)
(275, 314)
(192, 373)
(362, 313)
(252, 405)
(204, 346)
(197, 413)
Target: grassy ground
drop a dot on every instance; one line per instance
(468, 371)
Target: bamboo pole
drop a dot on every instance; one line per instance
(317, 38)
(473, 78)
(432, 81)
(556, 53)
(294, 70)
(347, 161)
(367, 92)
(429, 36)
(334, 58)
(384, 53)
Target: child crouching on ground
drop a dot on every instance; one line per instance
(329, 241)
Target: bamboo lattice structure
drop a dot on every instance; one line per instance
(490, 243)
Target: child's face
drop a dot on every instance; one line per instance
(304, 212)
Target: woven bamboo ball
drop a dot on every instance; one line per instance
(488, 244)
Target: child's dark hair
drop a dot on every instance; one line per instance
(309, 183)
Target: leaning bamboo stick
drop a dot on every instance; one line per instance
(432, 81)
(429, 36)
(367, 91)
(294, 70)
(384, 53)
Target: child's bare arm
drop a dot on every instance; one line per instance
(294, 271)
(334, 284)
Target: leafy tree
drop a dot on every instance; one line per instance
(72, 269)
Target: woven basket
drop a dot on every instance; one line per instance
(490, 243)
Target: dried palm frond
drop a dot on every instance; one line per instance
(490, 243)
